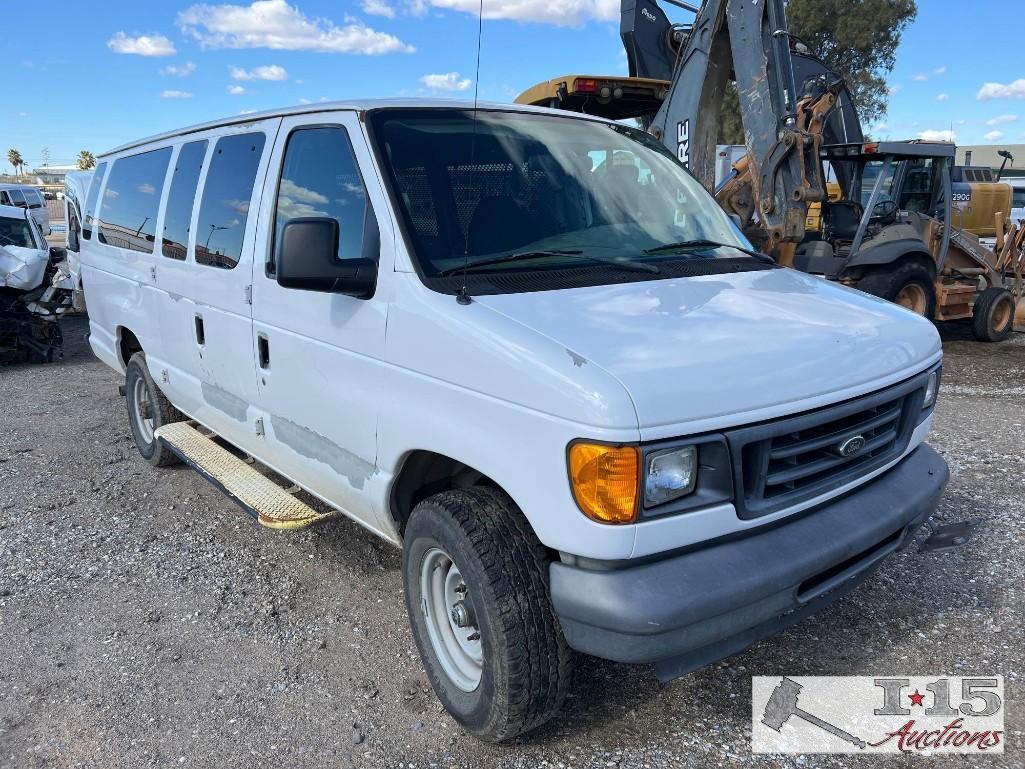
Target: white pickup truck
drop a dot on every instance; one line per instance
(529, 349)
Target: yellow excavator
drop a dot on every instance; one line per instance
(894, 226)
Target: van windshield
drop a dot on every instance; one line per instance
(554, 192)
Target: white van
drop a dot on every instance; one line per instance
(593, 419)
(30, 198)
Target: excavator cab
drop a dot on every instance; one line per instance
(894, 233)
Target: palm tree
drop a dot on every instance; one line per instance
(15, 159)
(86, 160)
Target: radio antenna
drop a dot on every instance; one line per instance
(463, 297)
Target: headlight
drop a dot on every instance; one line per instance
(604, 480)
(932, 388)
(670, 475)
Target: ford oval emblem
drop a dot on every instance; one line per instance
(851, 446)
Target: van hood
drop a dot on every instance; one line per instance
(715, 351)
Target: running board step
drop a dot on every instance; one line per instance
(259, 496)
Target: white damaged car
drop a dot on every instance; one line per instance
(35, 290)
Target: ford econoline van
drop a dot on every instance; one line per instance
(527, 348)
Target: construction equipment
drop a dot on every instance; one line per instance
(888, 235)
(797, 114)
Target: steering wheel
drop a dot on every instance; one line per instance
(885, 211)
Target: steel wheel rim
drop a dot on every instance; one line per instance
(141, 404)
(442, 591)
(912, 297)
(1002, 315)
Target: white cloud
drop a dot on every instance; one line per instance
(146, 188)
(266, 72)
(305, 101)
(245, 112)
(994, 136)
(881, 128)
(938, 136)
(172, 94)
(378, 8)
(921, 78)
(279, 26)
(991, 91)
(896, 88)
(449, 81)
(236, 90)
(1002, 120)
(943, 97)
(182, 70)
(569, 13)
(143, 45)
(940, 70)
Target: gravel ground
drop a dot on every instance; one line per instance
(145, 621)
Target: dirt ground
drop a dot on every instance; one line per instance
(145, 621)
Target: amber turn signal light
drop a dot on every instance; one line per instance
(605, 481)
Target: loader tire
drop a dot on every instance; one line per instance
(993, 315)
(908, 284)
(148, 410)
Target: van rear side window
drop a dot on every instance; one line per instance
(320, 178)
(227, 194)
(92, 201)
(128, 214)
(181, 199)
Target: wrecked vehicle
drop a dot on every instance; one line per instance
(35, 290)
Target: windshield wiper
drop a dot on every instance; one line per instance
(687, 245)
(616, 261)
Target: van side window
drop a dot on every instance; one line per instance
(5, 200)
(92, 200)
(33, 198)
(128, 214)
(18, 198)
(319, 177)
(227, 194)
(181, 198)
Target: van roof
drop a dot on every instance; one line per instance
(10, 186)
(338, 106)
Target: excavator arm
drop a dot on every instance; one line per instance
(790, 104)
(750, 42)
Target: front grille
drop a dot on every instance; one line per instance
(782, 463)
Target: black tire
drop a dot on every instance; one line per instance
(889, 281)
(993, 315)
(161, 412)
(527, 665)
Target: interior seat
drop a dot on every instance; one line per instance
(499, 223)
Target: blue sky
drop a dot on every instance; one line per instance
(115, 70)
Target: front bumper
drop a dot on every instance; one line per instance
(689, 610)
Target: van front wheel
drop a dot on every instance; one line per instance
(477, 593)
(148, 410)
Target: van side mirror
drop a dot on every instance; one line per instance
(308, 260)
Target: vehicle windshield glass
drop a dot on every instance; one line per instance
(510, 183)
(870, 175)
(1019, 197)
(16, 232)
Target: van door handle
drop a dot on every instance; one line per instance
(200, 331)
(263, 350)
